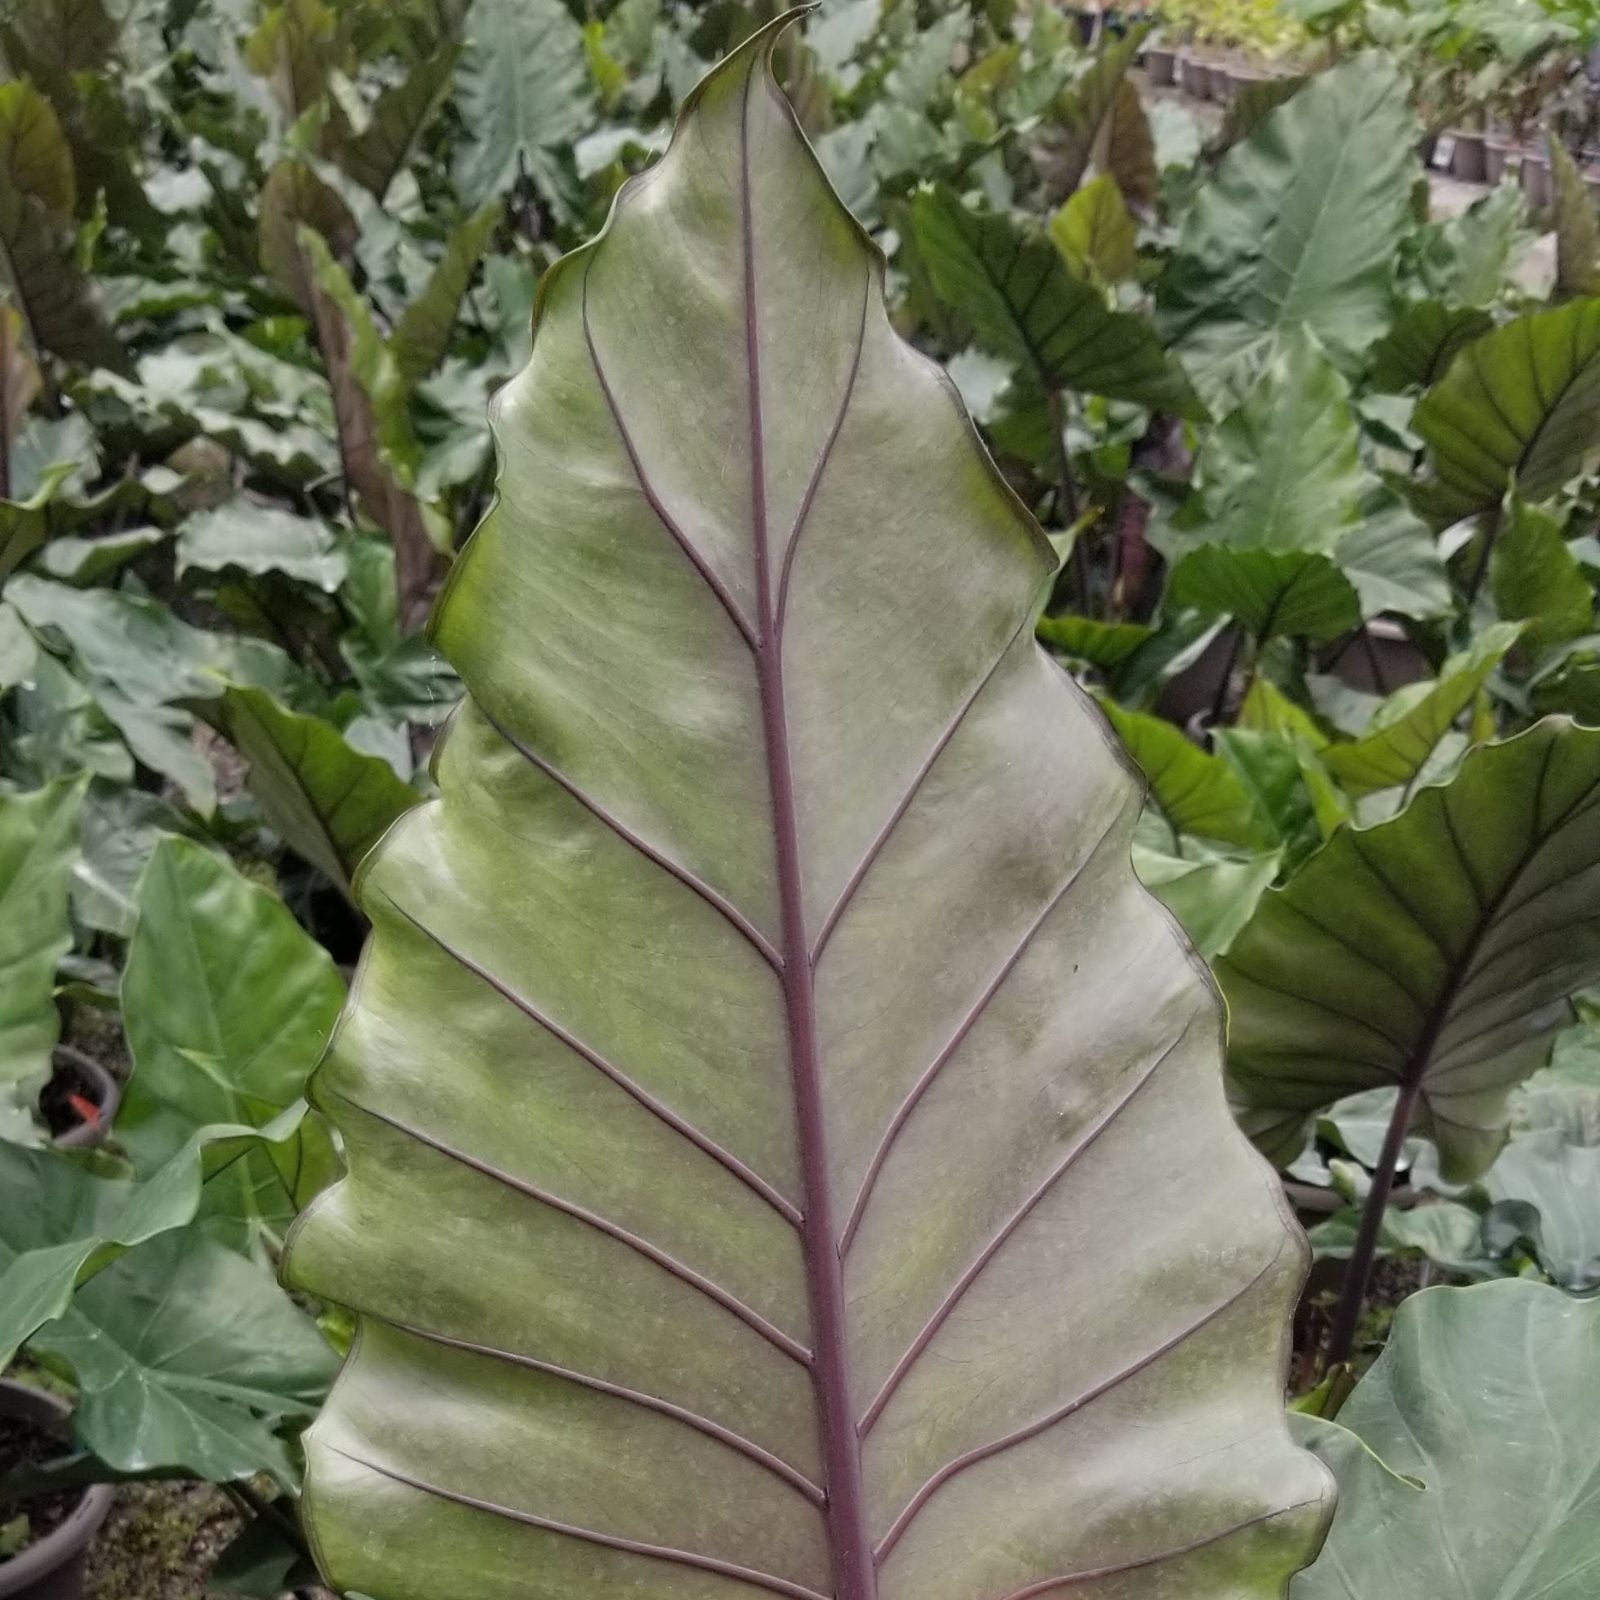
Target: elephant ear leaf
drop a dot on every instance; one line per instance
(766, 1015)
(1435, 951)
(1520, 406)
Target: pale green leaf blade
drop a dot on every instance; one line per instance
(1212, 899)
(612, 1176)
(1282, 471)
(261, 538)
(1440, 946)
(1535, 577)
(330, 801)
(1482, 1396)
(524, 90)
(186, 1356)
(1299, 227)
(1560, 1182)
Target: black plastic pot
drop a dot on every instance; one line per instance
(53, 1568)
(1500, 156)
(89, 1080)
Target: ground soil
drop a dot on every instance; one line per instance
(160, 1542)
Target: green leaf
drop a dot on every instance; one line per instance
(1127, 151)
(1417, 351)
(1271, 593)
(38, 839)
(524, 91)
(1212, 899)
(1096, 232)
(375, 156)
(1467, 260)
(49, 37)
(1299, 227)
(1437, 948)
(1520, 406)
(1482, 1396)
(35, 158)
(61, 1223)
(186, 1356)
(621, 1178)
(295, 47)
(261, 538)
(1194, 792)
(1577, 227)
(1251, 106)
(1559, 1184)
(421, 338)
(329, 801)
(227, 1004)
(1536, 578)
(1409, 727)
(1392, 558)
(1106, 645)
(139, 646)
(1020, 297)
(1283, 471)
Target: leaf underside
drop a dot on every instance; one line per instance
(746, 1059)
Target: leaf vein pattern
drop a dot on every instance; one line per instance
(971, 1274)
(1033, 1429)
(690, 880)
(608, 1541)
(649, 1402)
(752, 1319)
(636, 1091)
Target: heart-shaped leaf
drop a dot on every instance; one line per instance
(1270, 593)
(1021, 298)
(1436, 950)
(1500, 1477)
(1521, 405)
(766, 1014)
(1417, 351)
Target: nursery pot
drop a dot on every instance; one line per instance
(1497, 158)
(1536, 179)
(1194, 76)
(1219, 83)
(80, 1089)
(1162, 67)
(51, 1569)
(1469, 160)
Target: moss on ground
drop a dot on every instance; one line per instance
(160, 1542)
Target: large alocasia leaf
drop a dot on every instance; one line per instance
(763, 1023)
(1436, 950)
(1299, 227)
(1485, 1398)
(1518, 406)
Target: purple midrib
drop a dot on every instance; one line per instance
(850, 1541)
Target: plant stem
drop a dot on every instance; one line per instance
(1358, 1271)
(1491, 526)
(1067, 494)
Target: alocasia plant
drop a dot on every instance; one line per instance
(764, 1031)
